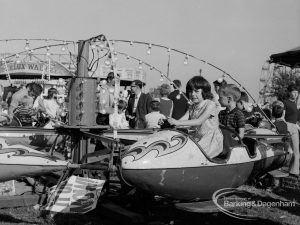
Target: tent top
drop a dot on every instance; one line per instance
(289, 58)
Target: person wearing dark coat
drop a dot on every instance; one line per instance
(180, 103)
(138, 105)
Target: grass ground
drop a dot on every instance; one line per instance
(166, 215)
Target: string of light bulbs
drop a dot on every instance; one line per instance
(151, 67)
(63, 43)
(186, 58)
(28, 40)
(17, 56)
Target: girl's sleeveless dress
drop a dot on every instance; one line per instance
(208, 135)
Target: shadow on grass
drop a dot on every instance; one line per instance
(220, 218)
(10, 219)
(90, 218)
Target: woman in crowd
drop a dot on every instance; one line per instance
(166, 104)
(203, 117)
(49, 104)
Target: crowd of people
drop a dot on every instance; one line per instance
(203, 109)
(25, 105)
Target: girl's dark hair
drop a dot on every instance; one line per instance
(244, 97)
(267, 112)
(51, 93)
(122, 105)
(199, 82)
(155, 105)
(292, 87)
(277, 111)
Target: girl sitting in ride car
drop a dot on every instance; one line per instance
(203, 117)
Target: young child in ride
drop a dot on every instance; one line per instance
(4, 118)
(118, 120)
(232, 116)
(203, 117)
(24, 112)
(154, 119)
(244, 106)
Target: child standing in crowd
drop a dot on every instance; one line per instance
(118, 120)
(277, 113)
(203, 117)
(166, 106)
(180, 103)
(154, 118)
(231, 117)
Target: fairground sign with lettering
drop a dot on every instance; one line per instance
(34, 67)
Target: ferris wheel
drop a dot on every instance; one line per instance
(265, 83)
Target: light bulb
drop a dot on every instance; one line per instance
(27, 47)
(140, 65)
(63, 48)
(149, 51)
(220, 80)
(185, 62)
(101, 45)
(18, 61)
(93, 44)
(178, 96)
(107, 62)
(161, 78)
(127, 57)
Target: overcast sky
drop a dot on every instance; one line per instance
(235, 35)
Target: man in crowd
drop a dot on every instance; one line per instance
(180, 103)
(291, 118)
(30, 92)
(138, 105)
(105, 98)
